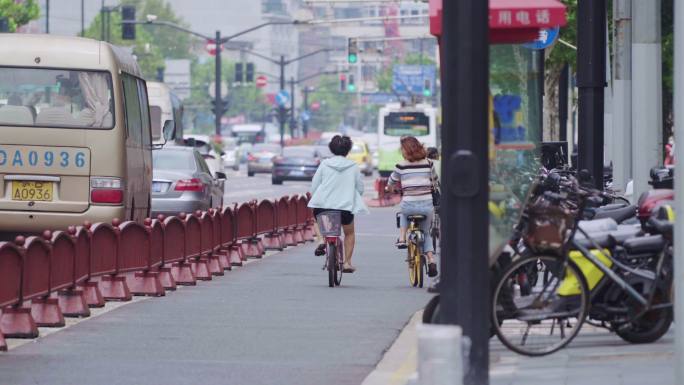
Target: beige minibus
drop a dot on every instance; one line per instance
(75, 142)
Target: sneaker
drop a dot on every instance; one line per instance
(320, 250)
(432, 270)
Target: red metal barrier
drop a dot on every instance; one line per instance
(175, 251)
(208, 244)
(84, 266)
(104, 261)
(267, 225)
(63, 274)
(304, 221)
(222, 257)
(11, 267)
(193, 247)
(158, 253)
(37, 285)
(297, 235)
(229, 244)
(135, 255)
(246, 225)
(284, 222)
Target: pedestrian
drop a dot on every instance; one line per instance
(337, 186)
(417, 178)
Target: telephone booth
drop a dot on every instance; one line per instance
(515, 103)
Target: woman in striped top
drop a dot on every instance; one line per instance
(416, 175)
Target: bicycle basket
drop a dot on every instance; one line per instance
(329, 223)
(548, 226)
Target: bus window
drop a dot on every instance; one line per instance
(144, 113)
(55, 98)
(407, 123)
(133, 113)
(156, 117)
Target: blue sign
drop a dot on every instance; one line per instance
(546, 37)
(282, 98)
(305, 115)
(379, 98)
(413, 79)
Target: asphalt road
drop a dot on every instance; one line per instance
(271, 322)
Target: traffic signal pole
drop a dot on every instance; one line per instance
(282, 114)
(218, 103)
(464, 285)
(293, 121)
(305, 107)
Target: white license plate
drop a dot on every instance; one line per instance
(296, 173)
(159, 187)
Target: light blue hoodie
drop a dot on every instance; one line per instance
(337, 185)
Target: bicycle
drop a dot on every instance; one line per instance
(330, 227)
(543, 298)
(417, 264)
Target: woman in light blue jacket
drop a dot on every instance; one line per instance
(337, 186)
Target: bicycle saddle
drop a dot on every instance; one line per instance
(416, 218)
(643, 245)
(618, 214)
(602, 239)
(598, 225)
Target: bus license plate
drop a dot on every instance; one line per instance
(32, 191)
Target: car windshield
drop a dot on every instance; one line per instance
(324, 151)
(173, 160)
(55, 98)
(357, 149)
(299, 152)
(265, 148)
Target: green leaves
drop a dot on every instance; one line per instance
(19, 13)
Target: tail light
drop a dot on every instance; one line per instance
(251, 157)
(193, 184)
(106, 190)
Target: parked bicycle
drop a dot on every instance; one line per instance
(330, 226)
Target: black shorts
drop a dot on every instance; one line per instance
(346, 216)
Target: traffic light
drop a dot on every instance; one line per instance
(238, 73)
(223, 107)
(249, 76)
(127, 26)
(351, 86)
(352, 51)
(343, 83)
(427, 90)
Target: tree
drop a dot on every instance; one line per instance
(153, 44)
(18, 13)
(334, 104)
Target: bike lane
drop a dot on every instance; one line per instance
(271, 322)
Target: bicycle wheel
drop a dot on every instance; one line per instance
(332, 264)
(414, 268)
(543, 317)
(340, 262)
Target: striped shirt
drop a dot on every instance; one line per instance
(416, 178)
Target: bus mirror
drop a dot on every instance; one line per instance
(169, 130)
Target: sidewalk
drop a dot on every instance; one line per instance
(594, 357)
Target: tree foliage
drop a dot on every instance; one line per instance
(18, 13)
(334, 104)
(153, 44)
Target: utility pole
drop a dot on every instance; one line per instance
(591, 73)
(464, 283)
(679, 188)
(82, 18)
(102, 21)
(646, 92)
(305, 107)
(282, 113)
(622, 94)
(563, 84)
(293, 121)
(217, 97)
(47, 16)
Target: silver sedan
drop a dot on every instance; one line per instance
(182, 182)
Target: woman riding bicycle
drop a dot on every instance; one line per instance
(337, 186)
(417, 177)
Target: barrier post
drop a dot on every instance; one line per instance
(72, 300)
(209, 243)
(219, 249)
(181, 269)
(114, 286)
(198, 262)
(16, 321)
(44, 309)
(165, 277)
(146, 282)
(91, 289)
(272, 238)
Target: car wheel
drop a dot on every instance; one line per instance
(236, 167)
(250, 173)
(276, 181)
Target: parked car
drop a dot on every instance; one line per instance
(296, 163)
(205, 146)
(182, 182)
(324, 151)
(244, 149)
(360, 153)
(260, 158)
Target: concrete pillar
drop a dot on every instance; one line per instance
(622, 94)
(646, 92)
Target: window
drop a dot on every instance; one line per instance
(173, 160)
(56, 98)
(144, 113)
(133, 113)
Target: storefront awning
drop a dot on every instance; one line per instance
(511, 21)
